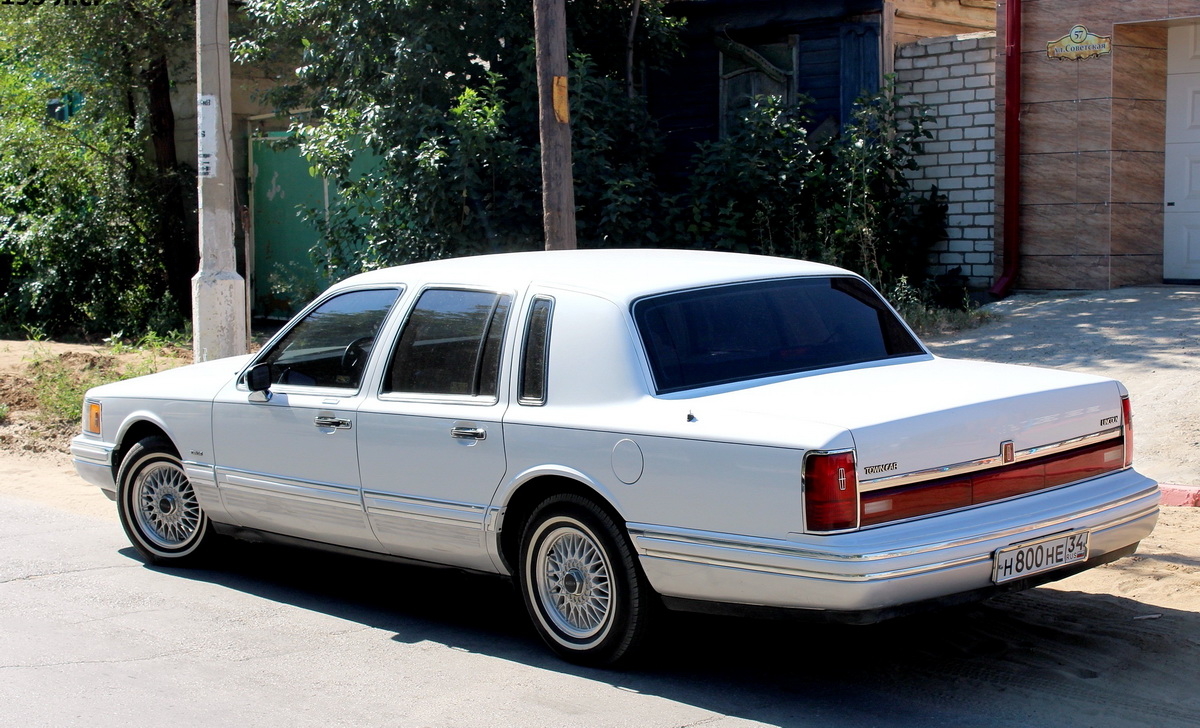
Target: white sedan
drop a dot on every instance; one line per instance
(619, 430)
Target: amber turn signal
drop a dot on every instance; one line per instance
(91, 417)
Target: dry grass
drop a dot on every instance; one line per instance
(42, 397)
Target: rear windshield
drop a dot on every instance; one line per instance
(746, 331)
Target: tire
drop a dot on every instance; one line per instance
(158, 506)
(585, 592)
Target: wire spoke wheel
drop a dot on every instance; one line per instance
(581, 583)
(165, 505)
(158, 505)
(573, 582)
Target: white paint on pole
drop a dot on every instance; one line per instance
(206, 135)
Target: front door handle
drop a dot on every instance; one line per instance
(468, 433)
(337, 423)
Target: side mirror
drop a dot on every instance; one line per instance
(258, 379)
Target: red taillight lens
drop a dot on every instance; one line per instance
(1127, 416)
(898, 503)
(830, 491)
(945, 494)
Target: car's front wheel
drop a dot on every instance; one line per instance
(581, 582)
(158, 506)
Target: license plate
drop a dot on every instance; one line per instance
(1034, 557)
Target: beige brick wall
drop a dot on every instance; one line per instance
(1092, 145)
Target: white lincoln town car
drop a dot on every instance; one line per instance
(619, 430)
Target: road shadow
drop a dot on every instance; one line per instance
(1038, 658)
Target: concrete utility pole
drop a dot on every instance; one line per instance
(218, 293)
(554, 125)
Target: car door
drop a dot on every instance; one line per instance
(431, 446)
(287, 460)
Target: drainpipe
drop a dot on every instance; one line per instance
(1012, 150)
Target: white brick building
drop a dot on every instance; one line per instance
(955, 77)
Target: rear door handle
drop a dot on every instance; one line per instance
(337, 423)
(468, 433)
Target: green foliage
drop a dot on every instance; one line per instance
(177, 342)
(174, 342)
(33, 332)
(82, 218)
(100, 52)
(750, 191)
(916, 307)
(443, 102)
(76, 251)
(59, 382)
(59, 388)
(443, 98)
(771, 187)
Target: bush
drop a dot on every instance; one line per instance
(86, 217)
(771, 187)
(928, 316)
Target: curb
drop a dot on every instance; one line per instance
(1179, 495)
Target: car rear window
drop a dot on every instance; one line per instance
(733, 333)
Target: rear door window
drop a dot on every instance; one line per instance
(450, 344)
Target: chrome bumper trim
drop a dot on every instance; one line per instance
(92, 452)
(662, 534)
(647, 544)
(92, 460)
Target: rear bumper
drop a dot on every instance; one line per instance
(93, 461)
(884, 569)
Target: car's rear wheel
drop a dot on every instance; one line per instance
(581, 583)
(158, 506)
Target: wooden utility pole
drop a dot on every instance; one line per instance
(554, 124)
(218, 293)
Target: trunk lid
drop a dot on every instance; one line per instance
(933, 413)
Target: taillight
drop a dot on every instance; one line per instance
(830, 491)
(1127, 416)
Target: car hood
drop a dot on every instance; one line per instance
(192, 382)
(934, 412)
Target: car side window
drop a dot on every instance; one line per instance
(329, 346)
(535, 353)
(450, 344)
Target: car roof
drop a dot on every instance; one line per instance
(621, 274)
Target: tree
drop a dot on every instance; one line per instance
(442, 97)
(771, 187)
(94, 232)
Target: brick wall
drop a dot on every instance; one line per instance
(956, 77)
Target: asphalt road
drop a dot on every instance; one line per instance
(90, 636)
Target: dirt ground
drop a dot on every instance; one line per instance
(24, 433)
(1147, 337)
